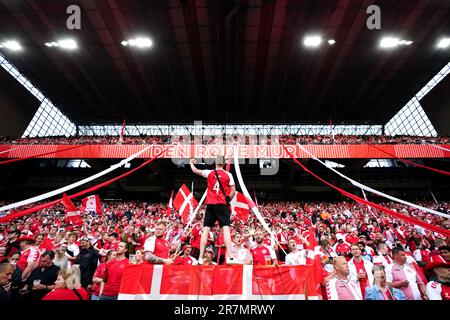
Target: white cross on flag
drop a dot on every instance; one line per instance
(184, 202)
(92, 203)
(239, 205)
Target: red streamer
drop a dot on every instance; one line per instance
(374, 205)
(37, 155)
(413, 163)
(76, 195)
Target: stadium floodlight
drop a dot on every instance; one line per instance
(67, 44)
(12, 45)
(312, 41)
(443, 43)
(139, 42)
(331, 42)
(389, 42)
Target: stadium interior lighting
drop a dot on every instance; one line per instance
(312, 41)
(67, 44)
(140, 42)
(331, 42)
(12, 45)
(391, 42)
(444, 43)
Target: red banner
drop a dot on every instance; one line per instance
(241, 282)
(210, 151)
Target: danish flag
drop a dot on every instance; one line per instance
(71, 211)
(184, 202)
(92, 203)
(239, 205)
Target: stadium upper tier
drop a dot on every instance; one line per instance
(230, 140)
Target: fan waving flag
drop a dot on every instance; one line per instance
(239, 205)
(184, 202)
(92, 203)
(71, 211)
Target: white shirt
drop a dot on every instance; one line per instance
(297, 258)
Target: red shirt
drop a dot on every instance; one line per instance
(183, 261)
(195, 236)
(362, 282)
(32, 254)
(342, 247)
(261, 256)
(99, 273)
(158, 246)
(66, 294)
(113, 276)
(219, 242)
(215, 194)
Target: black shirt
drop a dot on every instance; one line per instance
(47, 276)
(88, 260)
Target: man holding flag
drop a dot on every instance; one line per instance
(221, 189)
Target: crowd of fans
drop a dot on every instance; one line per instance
(221, 140)
(44, 257)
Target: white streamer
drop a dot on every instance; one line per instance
(9, 150)
(247, 195)
(439, 147)
(73, 185)
(364, 187)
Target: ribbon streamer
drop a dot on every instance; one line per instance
(78, 194)
(252, 205)
(73, 185)
(389, 212)
(37, 155)
(413, 163)
(368, 189)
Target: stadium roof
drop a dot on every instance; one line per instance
(227, 61)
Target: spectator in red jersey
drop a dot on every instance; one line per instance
(221, 189)
(97, 279)
(186, 258)
(156, 248)
(112, 276)
(30, 255)
(68, 286)
(360, 270)
(262, 254)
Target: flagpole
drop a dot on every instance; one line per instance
(192, 217)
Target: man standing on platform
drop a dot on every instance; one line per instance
(221, 189)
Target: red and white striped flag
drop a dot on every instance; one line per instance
(72, 214)
(239, 205)
(92, 203)
(184, 202)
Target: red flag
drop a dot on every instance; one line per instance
(184, 201)
(92, 203)
(240, 206)
(122, 131)
(72, 214)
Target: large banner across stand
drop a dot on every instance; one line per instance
(240, 282)
(210, 151)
